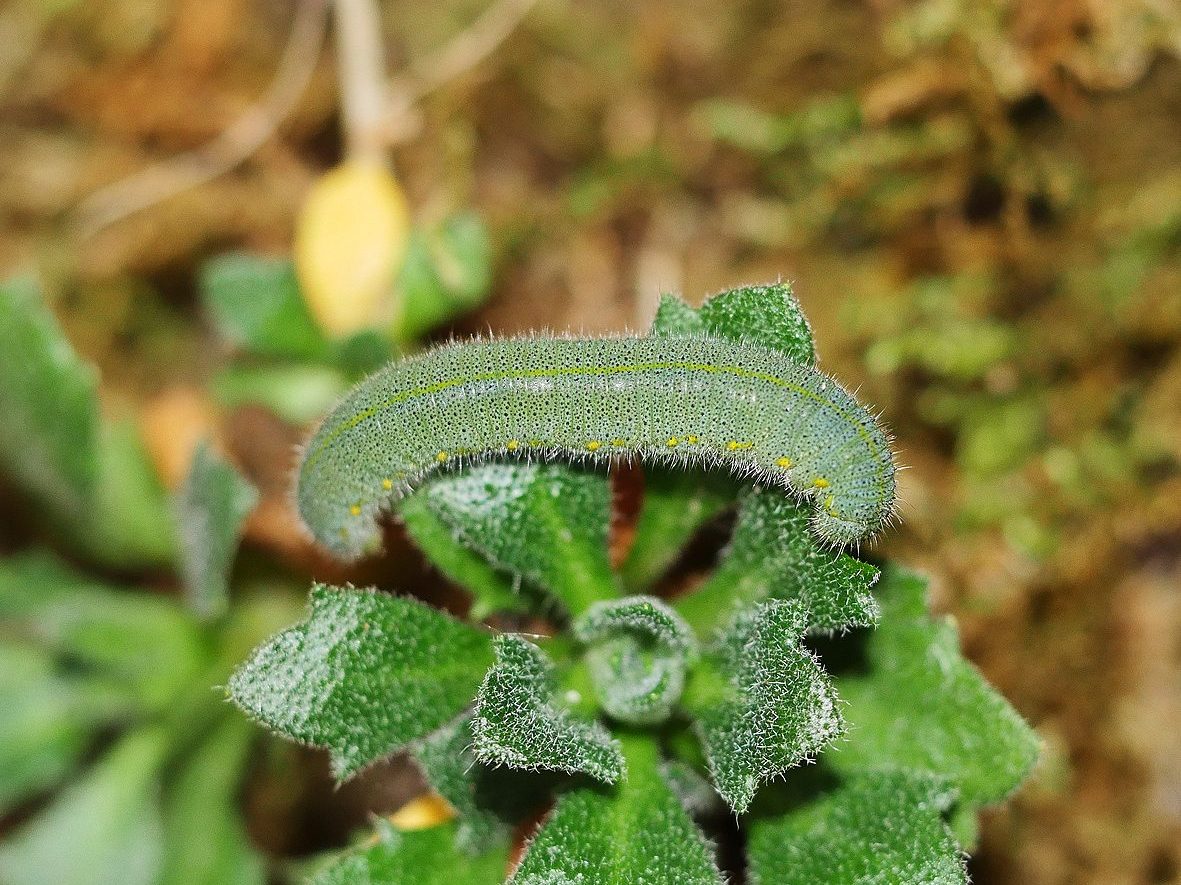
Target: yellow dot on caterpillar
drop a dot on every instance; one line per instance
(594, 445)
(387, 484)
(355, 510)
(784, 462)
(441, 457)
(619, 442)
(820, 482)
(673, 441)
(692, 440)
(734, 445)
(534, 442)
(513, 445)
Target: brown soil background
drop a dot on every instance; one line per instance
(1024, 154)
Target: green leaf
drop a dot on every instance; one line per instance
(676, 318)
(487, 800)
(922, 708)
(639, 651)
(297, 394)
(636, 832)
(205, 838)
(47, 719)
(103, 829)
(517, 723)
(492, 589)
(761, 701)
(547, 523)
(773, 554)
(210, 510)
(93, 480)
(871, 827)
(362, 353)
(127, 520)
(366, 674)
(768, 315)
(256, 305)
(146, 643)
(446, 272)
(421, 857)
(49, 434)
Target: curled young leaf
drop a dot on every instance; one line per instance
(639, 651)
(518, 724)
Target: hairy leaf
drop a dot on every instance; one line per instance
(545, 522)
(761, 701)
(366, 674)
(871, 827)
(639, 651)
(421, 857)
(518, 724)
(768, 315)
(210, 510)
(635, 832)
(256, 305)
(488, 801)
(774, 554)
(104, 829)
(921, 707)
(676, 318)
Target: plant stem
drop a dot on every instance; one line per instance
(361, 63)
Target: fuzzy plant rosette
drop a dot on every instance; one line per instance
(653, 722)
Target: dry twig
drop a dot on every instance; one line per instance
(233, 146)
(374, 116)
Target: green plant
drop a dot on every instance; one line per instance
(639, 720)
(109, 688)
(284, 361)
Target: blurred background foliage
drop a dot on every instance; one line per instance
(979, 203)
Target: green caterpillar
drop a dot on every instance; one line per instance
(685, 401)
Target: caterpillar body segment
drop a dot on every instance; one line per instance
(686, 401)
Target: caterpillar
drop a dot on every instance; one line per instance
(685, 401)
